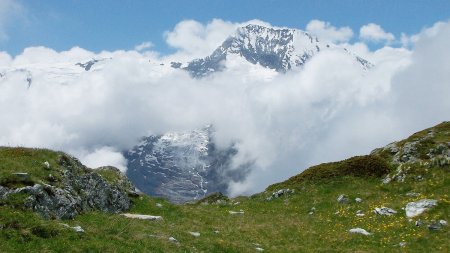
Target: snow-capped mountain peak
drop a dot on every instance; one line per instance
(280, 49)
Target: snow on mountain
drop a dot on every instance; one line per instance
(59, 72)
(273, 48)
(181, 166)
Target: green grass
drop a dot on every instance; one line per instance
(26, 160)
(280, 225)
(358, 166)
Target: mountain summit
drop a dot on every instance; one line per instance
(280, 49)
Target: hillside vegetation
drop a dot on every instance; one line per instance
(310, 212)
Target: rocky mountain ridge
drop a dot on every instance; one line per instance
(281, 49)
(182, 166)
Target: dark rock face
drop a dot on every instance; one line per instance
(278, 49)
(80, 190)
(182, 166)
(87, 65)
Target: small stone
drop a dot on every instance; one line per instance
(195, 234)
(419, 223)
(443, 222)
(385, 211)
(387, 180)
(358, 200)
(412, 194)
(359, 231)
(413, 209)
(21, 176)
(435, 226)
(234, 212)
(216, 231)
(172, 239)
(259, 249)
(47, 165)
(78, 229)
(159, 205)
(342, 199)
(360, 213)
(402, 244)
(141, 216)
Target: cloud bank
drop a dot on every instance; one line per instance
(329, 110)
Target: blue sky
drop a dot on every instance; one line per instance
(110, 25)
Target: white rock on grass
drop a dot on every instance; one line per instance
(342, 199)
(358, 200)
(195, 234)
(159, 205)
(413, 209)
(386, 180)
(234, 212)
(412, 194)
(360, 213)
(77, 229)
(359, 231)
(141, 216)
(172, 239)
(385, 211)
(259, 249)
(47, 165)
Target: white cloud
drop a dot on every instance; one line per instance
(328, 33)
(105, 156)
(329, 110)
(374, 32)
(9, 11)
(143, 46)
(408, 41)
(194, 40)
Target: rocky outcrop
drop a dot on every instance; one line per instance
(79, 190)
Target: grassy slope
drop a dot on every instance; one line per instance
(280, 225)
